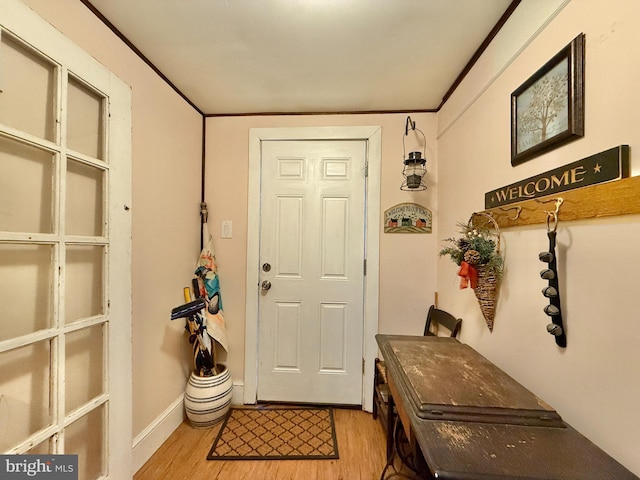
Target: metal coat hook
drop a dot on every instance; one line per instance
(552, 215)
(517, 208)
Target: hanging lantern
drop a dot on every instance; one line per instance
(415, 164)
(415, 168)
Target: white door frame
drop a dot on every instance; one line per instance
(372, 135)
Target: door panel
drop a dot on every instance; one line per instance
(25, 385)
(35, 168)
(85, 199)
(335, 235)
(312, 233)
(35, 76)
(22, 265)
(333, 338)
(289, 211)
(287, 336)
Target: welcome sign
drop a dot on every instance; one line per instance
(612, 164)
(407, 218)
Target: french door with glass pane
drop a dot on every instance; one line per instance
(64, 250)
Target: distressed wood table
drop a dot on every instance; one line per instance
(471, 421)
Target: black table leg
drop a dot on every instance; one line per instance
(390, 427)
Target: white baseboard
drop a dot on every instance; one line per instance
(149, 440)
(237, 397)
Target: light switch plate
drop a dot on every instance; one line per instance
(227, 229)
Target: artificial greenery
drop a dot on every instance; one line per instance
(475, 246)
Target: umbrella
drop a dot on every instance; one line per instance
(209, 288)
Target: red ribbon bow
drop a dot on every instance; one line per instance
(468, 274)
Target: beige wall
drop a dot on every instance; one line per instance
(403, 305)
(167, 139)
(593, 383)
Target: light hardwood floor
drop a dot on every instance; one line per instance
(361, 445)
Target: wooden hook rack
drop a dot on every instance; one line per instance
(621, 197)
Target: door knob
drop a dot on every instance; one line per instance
(266, 285)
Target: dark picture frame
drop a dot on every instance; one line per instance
(547, 110)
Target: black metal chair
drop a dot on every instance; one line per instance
(437, 318)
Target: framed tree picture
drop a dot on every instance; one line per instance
(548, 109)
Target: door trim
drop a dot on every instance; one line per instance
(372, 135)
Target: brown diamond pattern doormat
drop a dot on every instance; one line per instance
(276, 434)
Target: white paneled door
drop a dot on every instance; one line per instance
(65, 309)
(311, 290)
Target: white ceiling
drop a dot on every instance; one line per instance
(307, 56)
